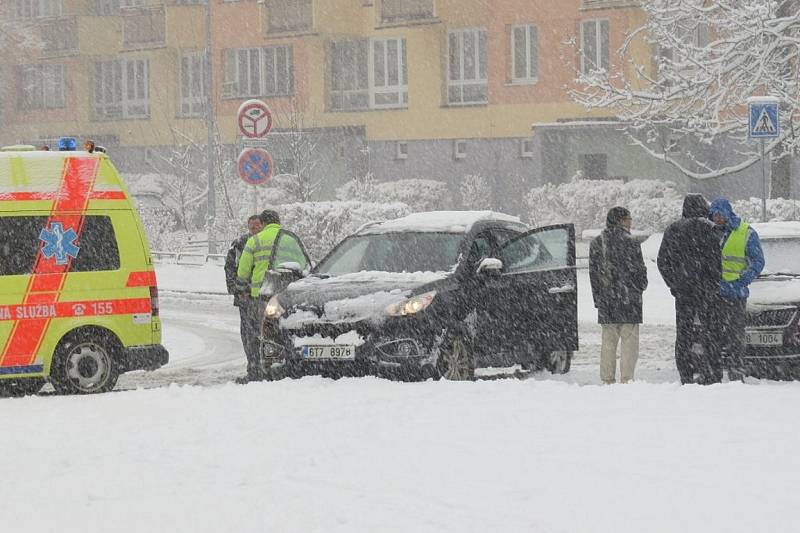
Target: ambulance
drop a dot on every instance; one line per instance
(78, 293)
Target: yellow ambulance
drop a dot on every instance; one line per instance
(78, 293)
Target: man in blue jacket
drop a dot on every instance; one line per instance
(742, 262)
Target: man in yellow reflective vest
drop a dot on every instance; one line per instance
(254, 264)
(742, 262)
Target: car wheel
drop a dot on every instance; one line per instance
(15, 388)
(456, 360)
(86, 364)
(559, 361)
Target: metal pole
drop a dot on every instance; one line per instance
(211, 204)
(765, 186)
(255, 200)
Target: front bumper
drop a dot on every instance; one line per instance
(149, 357)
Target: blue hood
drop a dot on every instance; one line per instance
(723, 207)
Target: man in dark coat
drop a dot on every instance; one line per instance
(618, 277)
(691, 264)
(254, 225)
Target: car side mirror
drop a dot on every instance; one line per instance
(490, 265)
(290, 267)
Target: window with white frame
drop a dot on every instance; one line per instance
(290, 15)
(41, 86)
(31, 9)
(369, 74)
(467, 81)
(389, 73)
(60, 37)
(594, 46)
(121, 89)
(349, 75)
(524, 54)
(144, 27)
(254, 72)
(688, 35)
(193, 87)
(459, 149)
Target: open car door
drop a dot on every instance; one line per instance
(541, 289)
(289, 262)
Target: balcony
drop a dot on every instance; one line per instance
(59, 37)
(143, 28)
(608, 4)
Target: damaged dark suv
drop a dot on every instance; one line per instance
(430, 295)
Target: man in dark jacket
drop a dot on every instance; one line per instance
(254, 225)
(691, 264)
(618, 277)
(742, 262)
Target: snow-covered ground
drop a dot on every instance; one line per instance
(545, 453)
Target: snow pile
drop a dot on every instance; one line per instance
(437, 222)
(778, 209)
(653, 203)
(351, 338)
(417, 194)
(359, 455)
(322, 225)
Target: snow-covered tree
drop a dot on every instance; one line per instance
(476, 192)
(301, 146)
(686, 74)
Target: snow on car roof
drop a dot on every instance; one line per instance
(438, 221)
(777, 230)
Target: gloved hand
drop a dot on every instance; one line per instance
(733, 290)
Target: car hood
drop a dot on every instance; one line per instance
(774, 292)
(351, 297)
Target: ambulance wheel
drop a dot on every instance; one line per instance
(86, 362)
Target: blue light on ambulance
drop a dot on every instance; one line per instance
(67, 144)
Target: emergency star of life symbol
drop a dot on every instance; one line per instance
(59, 243)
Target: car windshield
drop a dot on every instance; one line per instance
(781, 256)
(394, 252)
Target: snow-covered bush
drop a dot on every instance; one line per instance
(476, 193)
(653, 204)
(321, 225)
(417, 194)
(778, 209)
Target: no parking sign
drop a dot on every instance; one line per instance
(254, 166)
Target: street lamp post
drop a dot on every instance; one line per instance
(211, 204)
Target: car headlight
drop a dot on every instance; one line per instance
(411, 306)
(274, 309)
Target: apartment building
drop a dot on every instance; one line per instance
(434, 89)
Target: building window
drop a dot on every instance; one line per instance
(594, 48)
(112, 7)
(60, 37)
(41, 87)
(459, 149)
(144, 28)
(389, 81)
(467, 80)
(594, 166)
(526, 148)
(369, 74)
(350, 75)
(122, 89)
(290, 15)
(401, 150)
(193, 87)
(524, 54)
(254, 72)
(32, 9)
(403, 10)
(191, 2)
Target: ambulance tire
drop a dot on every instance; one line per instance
(86, 362)
(15, 388)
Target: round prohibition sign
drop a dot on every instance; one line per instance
(255, 119)
(255, 166)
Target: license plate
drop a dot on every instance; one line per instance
(335, 351)
(765, 338)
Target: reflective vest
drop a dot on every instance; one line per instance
(734, 256)
(254, 262)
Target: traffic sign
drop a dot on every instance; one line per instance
(764, 118)
(255, 119)
(254, 166)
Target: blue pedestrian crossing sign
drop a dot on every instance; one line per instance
(764, 118)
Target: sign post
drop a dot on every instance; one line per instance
(764, 123)
(254, 164)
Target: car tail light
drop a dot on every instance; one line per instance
(154, 300)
